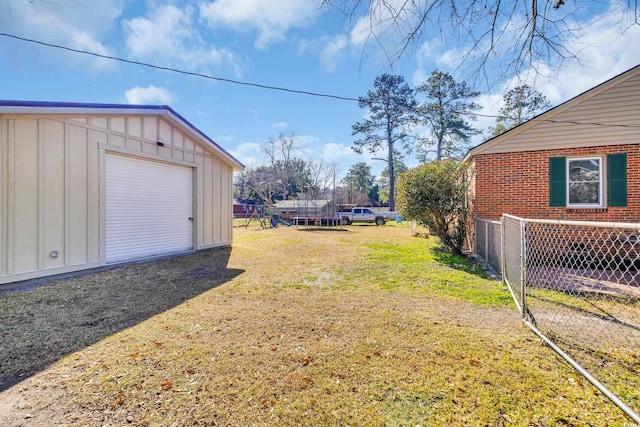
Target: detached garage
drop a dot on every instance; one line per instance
(87, 185)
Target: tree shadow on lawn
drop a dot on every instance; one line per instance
(39, 327)
(460, 262)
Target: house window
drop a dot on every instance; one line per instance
(588, 182)
(585, 182)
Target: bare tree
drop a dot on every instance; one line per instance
(514, 35)
(322, 176)
(292, 173)
(263, 182)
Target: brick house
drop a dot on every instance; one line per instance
(577, 161)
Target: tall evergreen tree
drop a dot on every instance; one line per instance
(521, 103)
(390, 107)
(447, 110)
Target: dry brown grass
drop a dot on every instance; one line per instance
(299, 328)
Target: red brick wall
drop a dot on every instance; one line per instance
(518, 184)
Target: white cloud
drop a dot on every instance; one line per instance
(332, 52)
(604, 50)
(311, 148)
(603, 47)
(271, 18)
(280, 125)
(71, 24)
(489, 110)
(382, 20)
(249, 153)
(343, 155)
(168, 36)
(149, 95)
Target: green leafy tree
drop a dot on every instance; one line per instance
(521, 103)
(295, 177)
(243, 187)
(435, 195)
(360, 183)
(390, 107)
(446, 112)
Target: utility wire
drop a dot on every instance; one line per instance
(278, 88)
(189, 73)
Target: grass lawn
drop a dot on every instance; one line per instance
(360, 326)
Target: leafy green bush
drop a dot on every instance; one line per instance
(435, 195)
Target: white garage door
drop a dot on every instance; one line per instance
(149, 208)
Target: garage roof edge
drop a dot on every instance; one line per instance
(48, 107)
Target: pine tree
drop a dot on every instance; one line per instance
(521, 103)
(390, 107)
(446, 112)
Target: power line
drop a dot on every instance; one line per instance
(278, 88)
(587, 123)
(175, 70)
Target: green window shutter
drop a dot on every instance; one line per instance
(617, 179)
(558, 181)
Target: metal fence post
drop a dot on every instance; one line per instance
(486, 241)
(503, 259)
(475, 234)
(523, 271)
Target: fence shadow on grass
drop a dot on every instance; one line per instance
(41, 326)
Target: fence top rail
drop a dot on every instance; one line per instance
(491, 221)
(625, 225)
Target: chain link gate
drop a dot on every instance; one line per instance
(577, 285)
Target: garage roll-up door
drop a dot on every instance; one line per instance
(148, 208)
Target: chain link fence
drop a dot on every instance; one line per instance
(577, 285)
(488, 243)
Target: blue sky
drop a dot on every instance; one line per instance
(287, 43)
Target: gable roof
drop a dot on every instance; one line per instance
(46, 107)
(560, 122)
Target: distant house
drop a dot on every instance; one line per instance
(577, 161)
(246, 209)
(86, 185)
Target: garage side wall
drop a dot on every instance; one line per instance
(49, 199)
(215, 202)
(52, 181)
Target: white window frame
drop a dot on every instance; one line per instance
(602, 181)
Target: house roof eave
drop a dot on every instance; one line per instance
(551, 113)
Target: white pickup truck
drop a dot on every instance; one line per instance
(361, 215)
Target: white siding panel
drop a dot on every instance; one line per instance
(148, 206)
